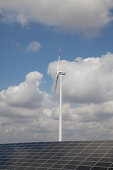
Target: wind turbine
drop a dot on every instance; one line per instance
(59, 75)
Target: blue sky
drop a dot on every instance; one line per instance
(16, 61)
(31, 32)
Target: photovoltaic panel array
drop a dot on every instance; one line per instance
(79, 155)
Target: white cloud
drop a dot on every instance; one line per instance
(26, 94)
(87, 80)
(87, 16)
(29, 114)
(25, 111)
(34, 46)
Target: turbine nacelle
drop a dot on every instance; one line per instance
(60, 73)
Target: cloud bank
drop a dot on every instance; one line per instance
(87, 80)
(86, 16)
(30, 114)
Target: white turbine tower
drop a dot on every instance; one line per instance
(59, 75)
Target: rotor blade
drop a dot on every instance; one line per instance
(56, 83)
(58, 68)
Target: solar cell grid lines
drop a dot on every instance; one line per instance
(79, 155)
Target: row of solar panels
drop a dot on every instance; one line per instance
(80, 155)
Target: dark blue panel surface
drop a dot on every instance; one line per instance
(79, 155)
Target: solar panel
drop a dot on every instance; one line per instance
(79, 155)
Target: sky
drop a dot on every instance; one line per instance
(31, 32)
